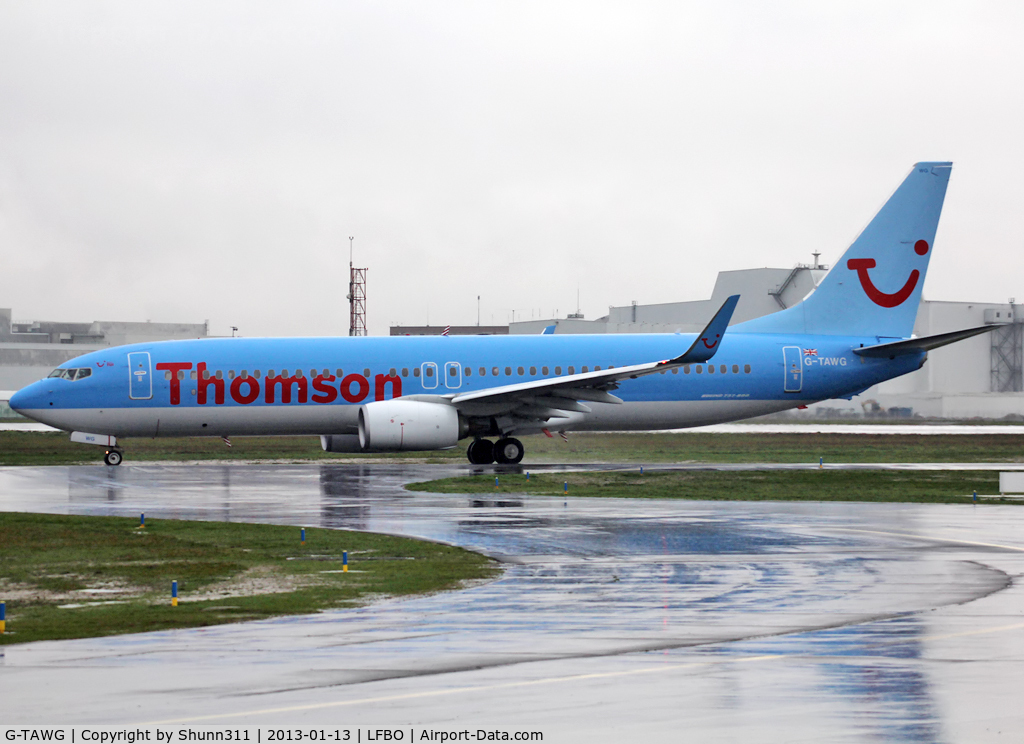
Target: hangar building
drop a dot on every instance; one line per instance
(30, 350)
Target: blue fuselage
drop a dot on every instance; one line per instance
(315, 385)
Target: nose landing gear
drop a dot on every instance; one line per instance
(112, 457)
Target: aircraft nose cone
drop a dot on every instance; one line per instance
(27, 398)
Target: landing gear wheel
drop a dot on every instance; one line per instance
(480, 452)
(508, 451)
(113, 457)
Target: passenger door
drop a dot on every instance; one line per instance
(794, 369)
(140, 376)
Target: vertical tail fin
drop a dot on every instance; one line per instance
(875, 288)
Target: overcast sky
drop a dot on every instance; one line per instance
(189, 161)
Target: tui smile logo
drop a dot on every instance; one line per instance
(714, 343)
(877, 296)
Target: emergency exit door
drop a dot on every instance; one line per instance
(794, 368)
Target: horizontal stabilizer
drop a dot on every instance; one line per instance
(548, 330)
(926, 343)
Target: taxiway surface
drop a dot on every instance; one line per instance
(720, 621)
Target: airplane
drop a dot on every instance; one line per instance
(367, 394)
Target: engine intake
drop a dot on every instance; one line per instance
(394, 425)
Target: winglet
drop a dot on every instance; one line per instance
(548, 330)
(707, 342)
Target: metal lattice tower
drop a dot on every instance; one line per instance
(356, 296)
(1008, 358)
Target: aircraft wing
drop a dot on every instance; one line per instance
(925, 343)
(552, 397)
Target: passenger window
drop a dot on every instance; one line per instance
(193, 375)
(220, 375)
(415, 371)
(508, 371)
(231, 374)
(494, 371)
(256, 374)
(366, 373)
(543, 370)
(533, 371)
(597, 367)
(430, 371)
(585, 368)
(686, 369)
(558, 370)
(181, 374)
(746, 369)
(675, 370)
(327, 373)
(483, 371)
(711, 369)
(405, 371)
(167, 375)
(469, 371)
(722, 368)
(572, 370)
(700, 369)
(338, 372)
(735, 368)
(391, 372)
(453, 371)
(520, 370)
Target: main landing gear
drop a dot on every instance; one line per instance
(507, 451)
(113, 457)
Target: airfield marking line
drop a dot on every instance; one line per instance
(929, 537)
(557, 680)
(459, 690)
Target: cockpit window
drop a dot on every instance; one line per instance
(71, 374)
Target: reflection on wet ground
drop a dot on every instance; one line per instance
(729, 621)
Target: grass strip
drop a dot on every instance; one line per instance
(76, 577)
(940, 487)
(54, 448)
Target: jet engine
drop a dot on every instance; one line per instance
(392, 425)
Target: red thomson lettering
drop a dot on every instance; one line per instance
(346, 388)
(324, 393)
(236, 390)
(396, 386)
(174, 368)
(286, 388)
(205, 380)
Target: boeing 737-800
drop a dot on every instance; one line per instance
(369, 394)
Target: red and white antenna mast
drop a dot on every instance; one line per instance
(356, 296)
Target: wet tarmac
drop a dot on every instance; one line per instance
(616, 619)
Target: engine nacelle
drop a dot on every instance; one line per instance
(392, 425)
